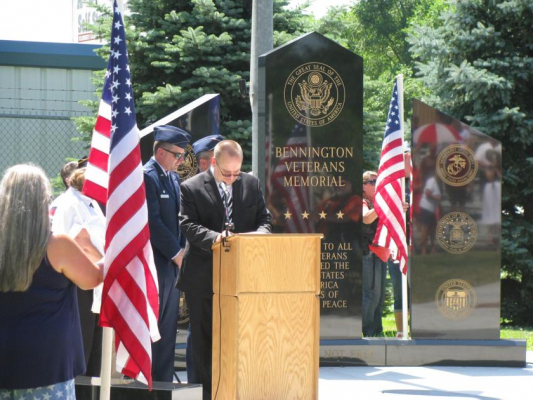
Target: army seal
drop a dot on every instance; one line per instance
(189, 166)
(456, 299)
(456, 165)
(314, 94)
(456, 232)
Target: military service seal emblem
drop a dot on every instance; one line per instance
(314, 94)
(456, 232)
(456, 299)
(456, 165)
(189, 166)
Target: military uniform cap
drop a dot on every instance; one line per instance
(171, 134)
(207, 143)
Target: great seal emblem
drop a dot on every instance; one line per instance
(314, 94)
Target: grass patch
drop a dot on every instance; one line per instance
(515, 332)
(506, 332)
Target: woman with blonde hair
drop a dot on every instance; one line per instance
(40, 340)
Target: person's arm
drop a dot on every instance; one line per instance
(68, 258)
(84, 241)
(190, 222)
(369, 215)
(263, 219)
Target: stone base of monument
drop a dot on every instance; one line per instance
(418, 352)
(88, 388)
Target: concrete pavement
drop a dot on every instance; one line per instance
(420, 383)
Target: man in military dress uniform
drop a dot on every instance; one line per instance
(163, 201)
(204, 148)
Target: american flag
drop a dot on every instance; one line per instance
(130, 303)
(297, 198)
(388, 197)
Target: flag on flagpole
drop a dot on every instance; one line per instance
(389, 194)
(130, 303)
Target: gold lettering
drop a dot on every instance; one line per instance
(332, 275)
(314, 181)
(313, 152)
(329, 285)
(345, 246)
(334, 304)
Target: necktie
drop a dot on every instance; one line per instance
(228, 203)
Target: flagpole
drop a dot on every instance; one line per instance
(107, 333)
(405, 330)
(105, 373)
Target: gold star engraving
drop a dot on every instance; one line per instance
(340, 215)
(305, 215)
(322, 215)
(288, 215)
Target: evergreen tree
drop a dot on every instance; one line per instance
(479, 64)
(377, 31)
(180, 50)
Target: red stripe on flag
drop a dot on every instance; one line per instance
(98, 158)
(125, 256)
(96, 191)
(124, 169)
(103, 126)
(130, 207)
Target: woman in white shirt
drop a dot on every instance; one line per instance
(81, 218)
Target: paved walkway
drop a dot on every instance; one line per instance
(418, 383)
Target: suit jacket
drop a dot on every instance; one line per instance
(202, 219)
(163, 202)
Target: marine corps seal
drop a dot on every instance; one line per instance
(456, 299)
(189, 166)
(314, 94)
(456, 232)
(456, 165)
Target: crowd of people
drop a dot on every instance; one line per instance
(51, 262)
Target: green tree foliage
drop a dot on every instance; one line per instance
(377, 31)
(479, 65)
(180, 50)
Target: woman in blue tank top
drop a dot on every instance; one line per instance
(40, 339)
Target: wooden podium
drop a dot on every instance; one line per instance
(266, 317)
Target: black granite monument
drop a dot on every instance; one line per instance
(311, 115)
(455, 268)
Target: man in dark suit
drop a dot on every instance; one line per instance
(208, 200)
(203, 149)
(163, 201)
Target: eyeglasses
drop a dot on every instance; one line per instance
(238, 173)
(372, 182)
(177, 156)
